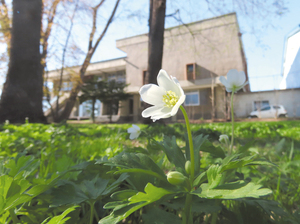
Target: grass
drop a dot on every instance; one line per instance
(46, 155)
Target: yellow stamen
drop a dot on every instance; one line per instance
(170, 99)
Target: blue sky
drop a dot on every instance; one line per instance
(263, 35)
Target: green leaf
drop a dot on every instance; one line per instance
(200, 178)
(270, 207)
(152, 194)
(174, 153)
(137, 201)
(214, 176)
(86, 190)
(159, 216)
(233, 162)
(198, 204)
(141, 169)
(261, 162)
(245, 147)
(11, 193)
(139, 161)
(60, 219)
(115, 184)
(66, 194)
(121, 212)
(235, 190)
(279, 146)
(215, 151)
(123, 195)
(22, 166)
(14, 192)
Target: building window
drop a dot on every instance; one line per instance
(191, 71)
(118, 76)
(66, 86)
(260, 104)
(192, 99)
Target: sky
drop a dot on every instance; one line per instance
(263, 34)
(263, 31)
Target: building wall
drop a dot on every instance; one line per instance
(212, 44)
(244, 102)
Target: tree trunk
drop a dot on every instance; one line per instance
(155, 43)
(23, 89)
(156, 39)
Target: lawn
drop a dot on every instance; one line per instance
(68, 172)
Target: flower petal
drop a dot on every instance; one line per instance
(134, 135)
(223, 80)
(130, 130)
(152, 94)
(165, 81)
(137, 128)
(177, 105)
(133, 129)
(164, 113)
(235, 78)
(157, 112)
(232, 76)
(241, 78)
(241, 86)
(152, 110)
(228, 89)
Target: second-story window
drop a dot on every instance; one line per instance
(191, 71)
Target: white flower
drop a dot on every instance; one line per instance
(134, 132)
(235, 80)
(166, 98)
(224, 139)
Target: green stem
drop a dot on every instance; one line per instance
(215, 214)
(92, 212)
(13, 216)
(187, 209)
(232, 122)
(278, 187)
(214, 218)
(192, 157)
(188, 200)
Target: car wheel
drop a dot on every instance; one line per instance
(282, 115)
(253, 116)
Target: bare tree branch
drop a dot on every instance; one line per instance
(95, 9)
(63, 62)
(76, 88)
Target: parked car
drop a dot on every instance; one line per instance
(270, 111)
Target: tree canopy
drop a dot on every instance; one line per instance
(109, 92)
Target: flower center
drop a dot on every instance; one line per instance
(170, 99)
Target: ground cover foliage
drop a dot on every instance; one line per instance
(83, 173)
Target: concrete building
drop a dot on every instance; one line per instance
(197, 54)
(245, 102)
(291, 63)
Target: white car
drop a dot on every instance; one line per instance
(270, 111)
